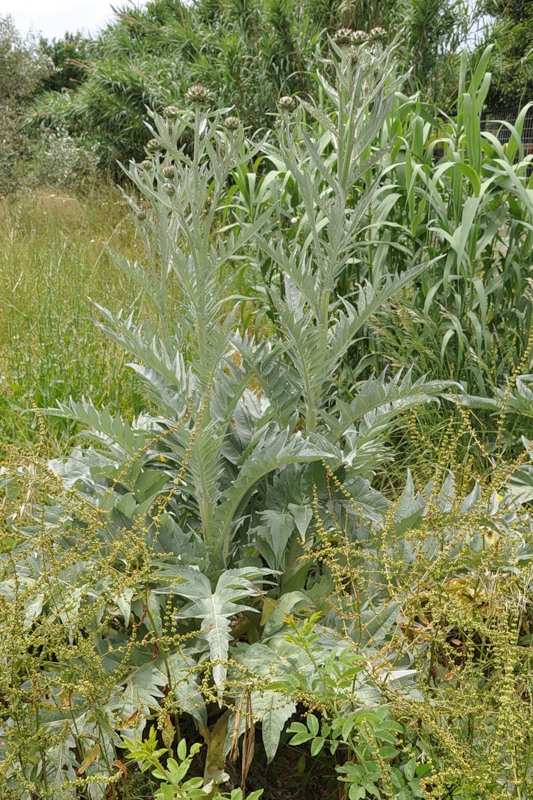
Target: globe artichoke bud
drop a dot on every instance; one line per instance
(359, 38)
(153, 146)
(171, 112)
(199, 94)
(232, 123)
(378, 35)
(286, 103)
(343, 37)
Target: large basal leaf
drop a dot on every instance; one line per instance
(380, 399)
(521, 484)
(279, 382)
(378, 625)
(518, 401)
(215, 609)
(271, 708)
(353, 318)
(168, 381)
(104, 426)
(62, 766)
(409, 510)
(185, 687)
(267, 456)
(142, 690)
(273, 536)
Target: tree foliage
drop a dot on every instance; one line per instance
(68, 56)
(23, 68)
(512, 31)
(248, 52)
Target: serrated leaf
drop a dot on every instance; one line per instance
(274, 710)
(215, 609)
(276, 530)
(185, 687)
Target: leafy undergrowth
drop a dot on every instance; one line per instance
(395, 654)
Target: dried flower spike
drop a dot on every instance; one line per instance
(198, 93)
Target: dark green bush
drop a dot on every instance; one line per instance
(23, 68)
(248, 52)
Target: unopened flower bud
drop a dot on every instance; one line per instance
(153, 146)
(198, 93)
(171, 112)
(343, 36)
(286, 103)
(359, 38)
(232, 123)
(168, 171)
(378, 35)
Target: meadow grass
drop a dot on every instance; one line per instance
(54, 262)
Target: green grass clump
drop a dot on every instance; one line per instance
(53, 258)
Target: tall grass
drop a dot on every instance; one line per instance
(471, 204)
(53, 258)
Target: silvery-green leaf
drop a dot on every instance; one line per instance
(302, 517)
(215, 608)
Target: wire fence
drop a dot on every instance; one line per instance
(497, 121)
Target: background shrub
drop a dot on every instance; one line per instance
(23, 66)
(248, 52)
